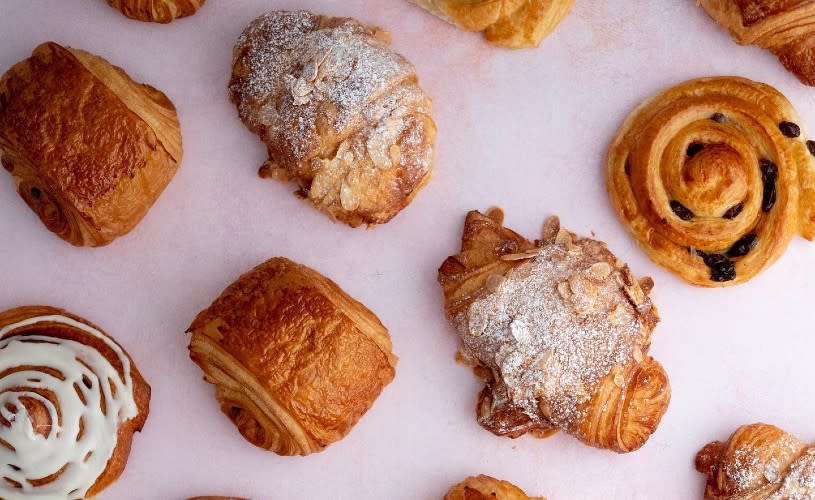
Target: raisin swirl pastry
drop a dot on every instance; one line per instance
(784, 27)
(340, 113)
(483, 487)
(70, 401)
(90, 149)
(157, 11)
(512, 24)
(713, 178)
(559, 330)
(758, 462)
(295, 361)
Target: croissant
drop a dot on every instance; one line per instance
(483, 487)
(70, 401)
(295, 361)
(558, 329)
(513, 24)
(89, 149)
(157, 11)
(758, 462)
(713, 178)
(340, 113)
(784, 27)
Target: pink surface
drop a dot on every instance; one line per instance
(524, 130)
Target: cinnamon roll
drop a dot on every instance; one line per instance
(70, 401)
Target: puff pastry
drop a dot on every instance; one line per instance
(559, 330)
(295, 361)
(758, 462)
(70, 401)
(514, 24)
(713, 178)
(89, 149)
(157, 11)
(483, 487)
(340, 113)
(784, 27)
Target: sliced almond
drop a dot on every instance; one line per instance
(494, 282)
(563, 238)
(550, 228)
(637, 354)
(619, 381)
(519, 256)
(600, 270)
(564, 289)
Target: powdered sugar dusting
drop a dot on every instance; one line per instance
(553, 328)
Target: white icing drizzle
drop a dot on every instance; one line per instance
(77, 459)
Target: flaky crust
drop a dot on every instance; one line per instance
(157, 11)
(616, 409)
(89, 149)
(513, 24)
(758, 462)
(141, 390)
(483, 487)
(295, 361)
(341, 114)
(784, 27)
(711, 179)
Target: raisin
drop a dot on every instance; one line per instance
(768, 202)
(744, 246)
(789, 129)
(769, 170)
(721, 268)
(694, 148)
(717, 117)
(811, 147)
(733, 211)
(681, 210)
(36, 193)
(628, 167)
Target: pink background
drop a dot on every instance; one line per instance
(524, 130)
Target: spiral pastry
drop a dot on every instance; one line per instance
(89, 149)
(70, 401)
(713, 178)
(295, 361)
(157, 11)
(483, 487)
(758, 462)
(559, 330)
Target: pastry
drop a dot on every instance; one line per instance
(713, 178)
(514, 24)
(784, 27)
(157, 11)
(295, 361)
(758, 462)
(486, 488)
(70, 401)
(89, 149)
(217, 498)
(340, 113)
(558, 329)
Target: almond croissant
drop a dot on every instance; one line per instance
(758, 462)
(559, 330)
(784, 27)
(340, 113)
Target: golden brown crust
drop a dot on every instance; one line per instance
(157, 11)
(513, 24)
(89, 149)
(363, 144)
(758, 462)
(141, 390)
(483, 487)
(784, 27)
(296, 362)
(711, 179)
(616, 409)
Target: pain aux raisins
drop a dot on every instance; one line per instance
(769, 174)
(681, 211)
(789, 129)
(743, 246)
